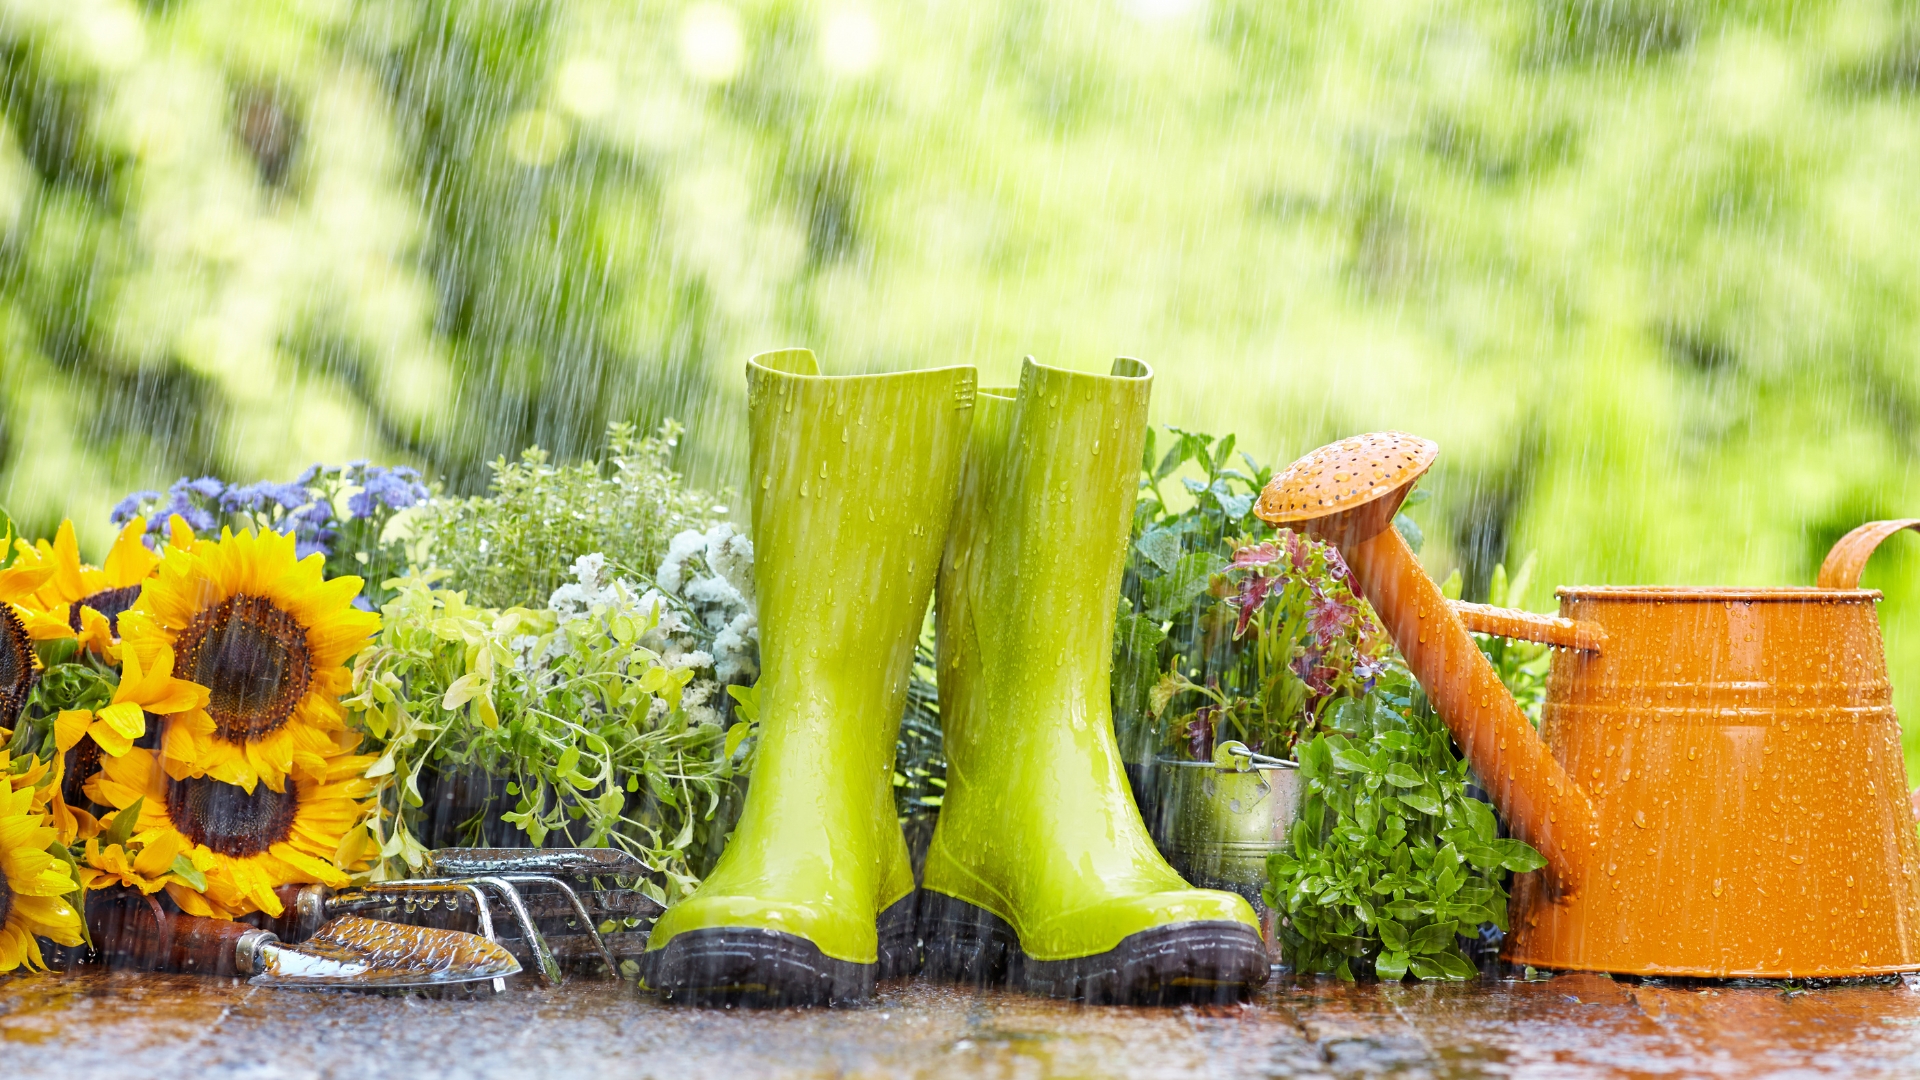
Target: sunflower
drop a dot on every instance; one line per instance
(18, 664)
(154, 866)
(244, 843)
(89, 600)
(269, 638)
(33, 884)
(147, 688)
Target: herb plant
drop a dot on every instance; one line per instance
(1166, 607)
(1302, 642)
(592, 707)
(1391, 860)
(513, 545)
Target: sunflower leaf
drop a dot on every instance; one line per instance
(120, 829)
(189, 875)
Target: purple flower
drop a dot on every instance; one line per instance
(306, 478)
(304, 548)
(198, 518)
(1253, 593)
(1315, 673)
(236, 499)
(207, 487)
(1255, 555)
(1327, 616)
(1200, 733)
(317, 512)
(1299, 552)
(125, 510)
(289, 496)
(385, 487)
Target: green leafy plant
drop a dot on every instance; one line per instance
(919, 759)
(1303, 644)
(70, 677)
(1391, 861)
(594, 716)
(513, 545)
(1166, 607)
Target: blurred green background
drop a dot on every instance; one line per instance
(1649, 271)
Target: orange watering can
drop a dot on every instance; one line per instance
(1717, 786)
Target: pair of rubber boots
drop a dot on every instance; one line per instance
(866, 492)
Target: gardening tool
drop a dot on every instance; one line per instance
(346, 952)
(464, 879)
(1720, 791)
(1040, 871)
(852, 485)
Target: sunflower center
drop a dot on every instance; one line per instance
(253, 659)
(226, 819)
(6, 900)
(108, 602)
(82, 762)
(16, 666)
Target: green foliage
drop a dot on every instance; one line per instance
(70, 678)
(1644, 269)
(1391, 861)
(602, 740)
(513, 545)
(1166, 609)
(1305, 645)
(7, 536)
(919, 758)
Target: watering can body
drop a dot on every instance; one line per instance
(1743, 761)
(1718, 785)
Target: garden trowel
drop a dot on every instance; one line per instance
(349, 952)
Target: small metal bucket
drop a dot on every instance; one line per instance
(1218, 825)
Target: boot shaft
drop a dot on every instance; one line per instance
(1031, 576)
(852, 490)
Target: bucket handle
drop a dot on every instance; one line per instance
(1234, 755)
(1850, 555)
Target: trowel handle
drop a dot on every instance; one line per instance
(302, 909)
(1527, 626)
(1850, 555)
(149, 936)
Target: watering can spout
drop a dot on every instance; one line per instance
(1347, 494)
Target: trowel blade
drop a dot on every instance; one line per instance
(351, 951)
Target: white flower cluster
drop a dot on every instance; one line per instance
(701, 610)
(711, 574)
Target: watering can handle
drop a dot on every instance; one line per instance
(1850, 555)
(1527, 626)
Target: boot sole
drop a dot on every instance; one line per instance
(1178, 963)
(747, 966)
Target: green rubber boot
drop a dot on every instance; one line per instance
(1041, 872)
(853, 483)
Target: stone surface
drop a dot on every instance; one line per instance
(96, 1024)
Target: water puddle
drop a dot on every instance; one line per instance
(1571, 1026)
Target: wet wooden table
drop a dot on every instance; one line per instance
(95, 1024)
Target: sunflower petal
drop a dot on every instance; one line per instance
(70, 727)
(126, 718)
(129, 563)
